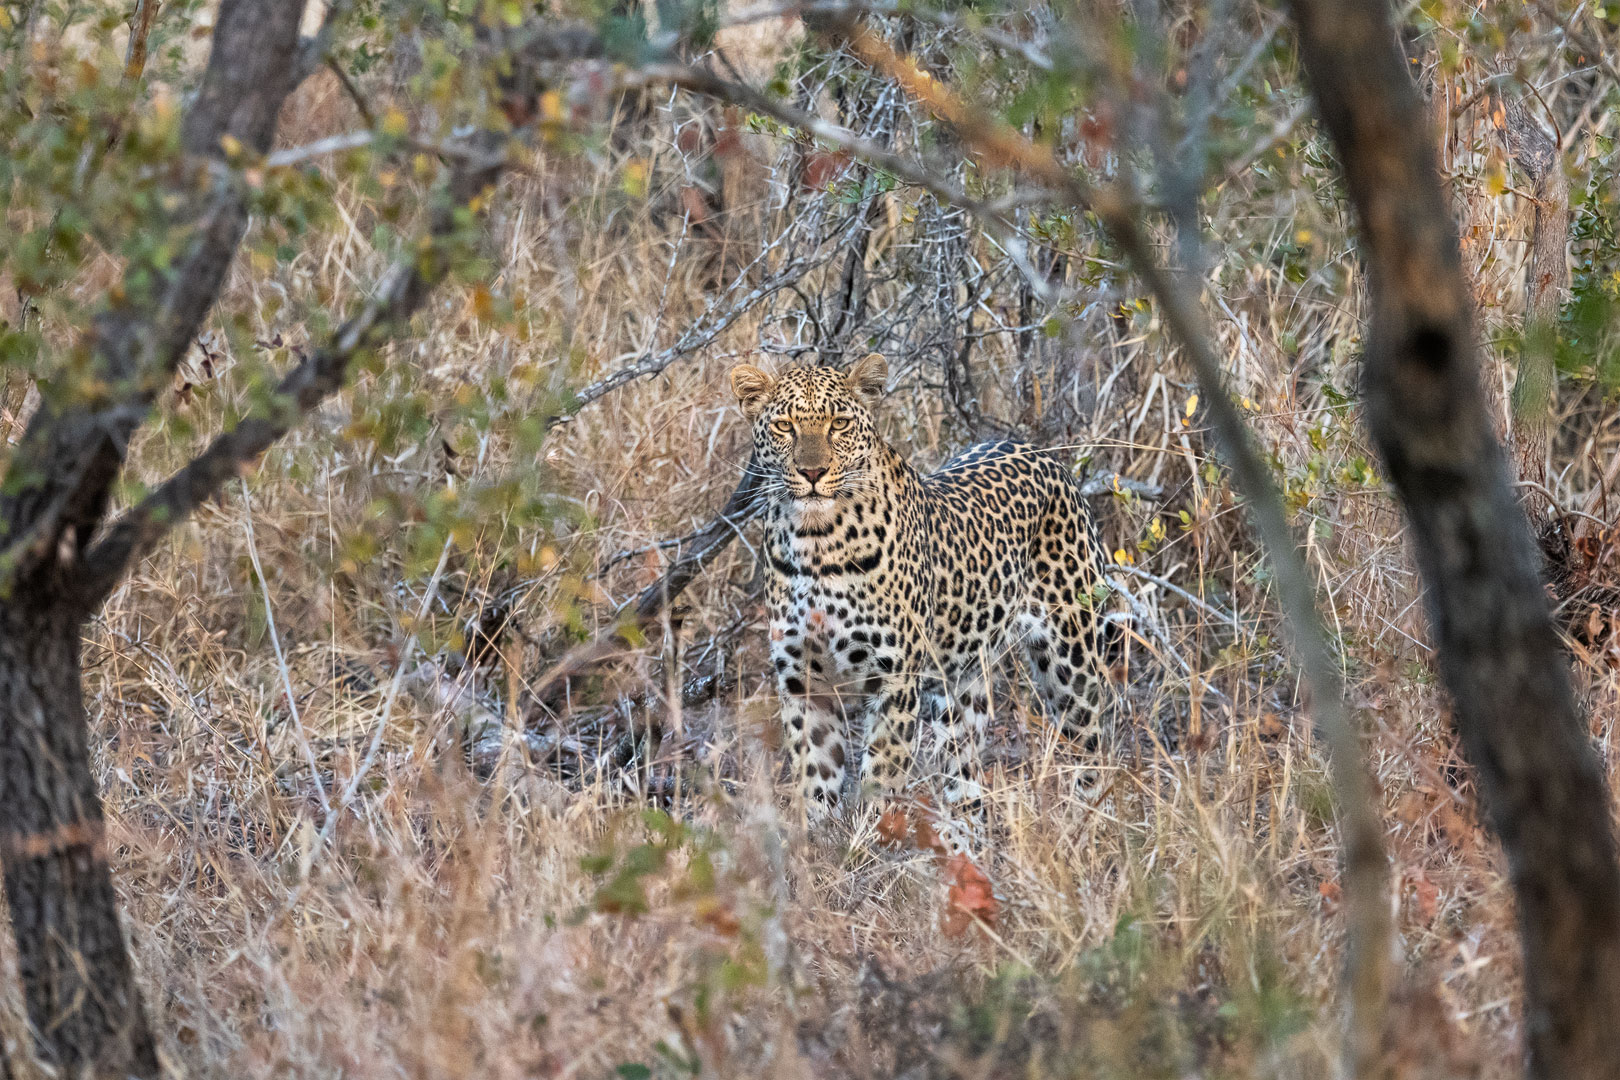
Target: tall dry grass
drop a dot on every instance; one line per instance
(318, 879)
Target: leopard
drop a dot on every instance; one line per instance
(894, 595)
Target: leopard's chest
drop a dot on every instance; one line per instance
(836, 580)
(831, 584)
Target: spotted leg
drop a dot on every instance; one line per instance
(1065, 642)
(812, 731)
(961, 712)
(889, 721)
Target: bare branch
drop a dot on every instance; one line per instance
(1031, 54)
(354, 140)
(704, 330)
(367, 115)
(322, 373)
(1196, 601)
(911, 171)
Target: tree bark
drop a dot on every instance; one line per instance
(1541, 781)
(76, 974)
(59, 558)
(78, 982)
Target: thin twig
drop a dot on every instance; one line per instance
(281, 655)
(361, 105)
(1202, 605)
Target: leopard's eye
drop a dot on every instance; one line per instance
(842, 423)
(782, 427)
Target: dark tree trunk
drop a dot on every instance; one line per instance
(75, 971)
(1540, 778)
(59, 557)
(77, 979)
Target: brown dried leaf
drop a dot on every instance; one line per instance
(1423, 895)
(969, 899)
(1331, 895)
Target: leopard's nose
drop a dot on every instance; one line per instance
(812, 475)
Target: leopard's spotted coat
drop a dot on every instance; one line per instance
(887, 588)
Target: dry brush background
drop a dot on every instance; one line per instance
(348, 843)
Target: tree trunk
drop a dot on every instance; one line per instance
(1541, 781)
(76, 975)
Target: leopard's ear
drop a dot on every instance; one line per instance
(867, 376)
(752, 386)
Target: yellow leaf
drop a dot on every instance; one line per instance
(231, 145)
(394, 123)
(551, 107)
(1192, 404)
(1495, 179)
(1124, 558)
(636, 174)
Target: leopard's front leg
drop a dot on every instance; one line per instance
(889, 719)
(812, 732)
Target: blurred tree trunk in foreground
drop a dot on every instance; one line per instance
(1541, 781)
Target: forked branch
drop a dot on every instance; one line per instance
(397, 297)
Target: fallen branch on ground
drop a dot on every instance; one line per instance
(550, 689)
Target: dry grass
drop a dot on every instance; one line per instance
(486, 919)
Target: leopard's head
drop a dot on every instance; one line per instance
(814, 428)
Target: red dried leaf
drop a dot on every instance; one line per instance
(969, 898)
(719, 917)
(696, 204)
(910, 827)
(821, 168)
(726, 142)
(689, 139)
(894, 827)
(1424, 894)
(924, 835)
